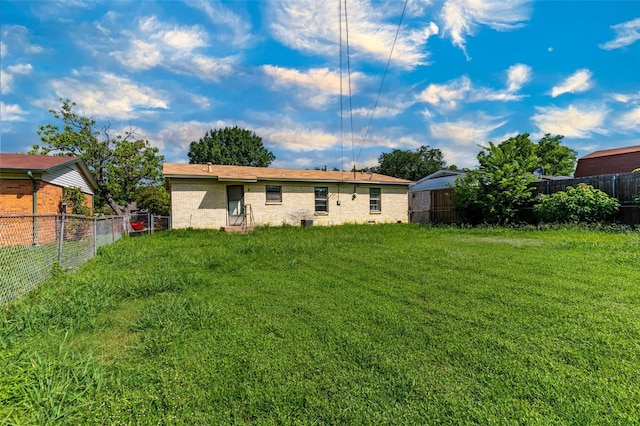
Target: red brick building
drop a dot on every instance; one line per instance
(609, 161)
(32, 184)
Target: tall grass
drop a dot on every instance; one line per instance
(395, 324)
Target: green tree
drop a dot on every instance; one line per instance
(500, 186)
(120, 164)
(406, 164)
(154, 199)
(230, 146)
(553, 158)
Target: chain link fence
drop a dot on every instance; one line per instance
(146, 223)
(31, 246)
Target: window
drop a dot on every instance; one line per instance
(322, 195)
(374, 200)
(274, 194)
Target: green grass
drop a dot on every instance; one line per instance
(384, 324)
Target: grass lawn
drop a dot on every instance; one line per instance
(378, 324)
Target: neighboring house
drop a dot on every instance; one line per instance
(425, 195)
(32, 184)
(609, 161)
(214, 196)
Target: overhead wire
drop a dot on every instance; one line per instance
(341, 109)
(384, 75)
(346, 26)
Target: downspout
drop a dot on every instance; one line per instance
(35, 207)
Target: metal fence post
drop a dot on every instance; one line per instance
(151, 224)
(95, 236)
(60, 239)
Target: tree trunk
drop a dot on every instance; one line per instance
(114, 206)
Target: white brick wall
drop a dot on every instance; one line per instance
(203, 204)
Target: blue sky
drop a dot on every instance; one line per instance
(463, 72)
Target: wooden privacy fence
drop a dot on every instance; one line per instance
(625, 187)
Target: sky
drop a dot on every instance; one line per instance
(332, 83)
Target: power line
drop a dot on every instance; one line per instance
(384, 75)
(341, 113)
(346, 26)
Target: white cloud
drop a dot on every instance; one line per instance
(6, 81)
(201, 101)
(22, 69)
(382, 111)
(418, 7)
(312, 26)
(625, 98)
(11, 112)
(446, 95)
(629, 120)
(111, 96)
(580, 81)
(177, 136)
(393, 140)
(627, 33)
(240, 30)
(172, 47)
(459, 157)
(6, 76)
(517, 76)
(449, 95)
(462, 17)
(466, 132)
(297, 137)
(572, 122)
(315, 86)
(16, 39)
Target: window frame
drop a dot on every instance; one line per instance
(375, 201)
(272, 192)
(324, 199)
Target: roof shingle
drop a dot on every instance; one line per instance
(33, 162)
(265, 173)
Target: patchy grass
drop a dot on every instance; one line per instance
(394, 324)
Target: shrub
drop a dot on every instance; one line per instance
(583, 203)
(74, 198)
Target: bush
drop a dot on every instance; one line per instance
(581, 204)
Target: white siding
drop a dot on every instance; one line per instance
(69, 176)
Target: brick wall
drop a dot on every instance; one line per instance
(200, 204)
(16, 197)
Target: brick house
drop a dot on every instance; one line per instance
(32, 184)
(609, 161)
(214, 196)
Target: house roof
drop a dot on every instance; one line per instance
(15, 165)
(438, 180)
(614, 151)
(609, 161)
(254, 174)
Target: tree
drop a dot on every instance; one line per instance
(120, 164)
(553, 158)
(500, 186)
(405, 164)
(230, 146)
(154, 199)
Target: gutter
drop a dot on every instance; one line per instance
(34, 207)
